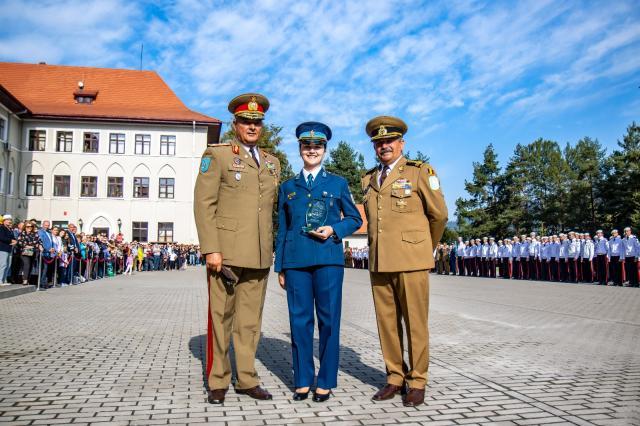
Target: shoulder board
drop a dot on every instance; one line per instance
(215, 145)
(371, 170)
(414, 163)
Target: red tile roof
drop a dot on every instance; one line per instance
(129, 95)
(363, 228)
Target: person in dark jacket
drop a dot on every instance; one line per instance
(7, 241)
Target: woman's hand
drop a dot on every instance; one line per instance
(281, 280)
(322, 232)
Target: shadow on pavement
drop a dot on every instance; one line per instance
(275, 355)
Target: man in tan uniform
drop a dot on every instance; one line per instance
(233, 203)
(407, 215)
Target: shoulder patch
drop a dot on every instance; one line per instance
(205, 163)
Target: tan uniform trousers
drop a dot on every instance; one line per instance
(235, 312)
(403, 297)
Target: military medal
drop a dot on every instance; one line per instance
(291, 195)
(271, 167)
(401, 203)
(236, 149)
(238, 176)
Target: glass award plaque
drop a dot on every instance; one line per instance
(316, 215)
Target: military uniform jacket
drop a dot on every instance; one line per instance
(233, 205)
(406, 216)
(297, 249)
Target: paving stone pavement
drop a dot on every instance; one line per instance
(129, 350)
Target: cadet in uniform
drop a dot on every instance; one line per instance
(587, 259)
(233, 203)
(602, 254)
(407, 215)
(631, 248)
(309, 261)
(615, 256)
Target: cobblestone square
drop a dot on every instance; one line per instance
(130, 350)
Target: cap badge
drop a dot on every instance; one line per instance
(253, 105)
(312, 134)
(382, 131)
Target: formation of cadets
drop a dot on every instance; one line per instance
(357, 258)
(572, 257)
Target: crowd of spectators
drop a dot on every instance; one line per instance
(45, 256)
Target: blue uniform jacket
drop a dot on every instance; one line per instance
(294, 247)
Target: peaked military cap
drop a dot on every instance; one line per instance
(313, 132)
(386, 127)
(249, 105)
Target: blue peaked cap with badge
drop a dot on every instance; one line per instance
(313, 132)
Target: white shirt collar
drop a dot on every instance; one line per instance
(391, 166)
(313, 172)
(249, 148)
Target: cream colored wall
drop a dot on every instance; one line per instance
(93, 211)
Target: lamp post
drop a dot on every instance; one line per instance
(80, 223)
(119, 225)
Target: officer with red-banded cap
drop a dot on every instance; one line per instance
(233, 203)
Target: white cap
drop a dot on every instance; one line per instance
(7, 217)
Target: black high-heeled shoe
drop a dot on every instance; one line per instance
(321, 397)
(300, 396)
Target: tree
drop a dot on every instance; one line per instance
(346, 162)
(586, 163)
(621, 189)
(479, 213)
(418, 157)
(270, 140)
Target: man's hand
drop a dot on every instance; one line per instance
(214, 262)
(281, 280)
(323, 232)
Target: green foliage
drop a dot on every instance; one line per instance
(449, 235)
(546, 189)
(346, 162)
(270, 140)
(418, 157)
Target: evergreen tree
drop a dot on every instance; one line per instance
(586, 163)
(479, 214)
(621, 189)
(346, 162)
(270, 141)
(418, 157)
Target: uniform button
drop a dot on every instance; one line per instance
(379, 207)
(379, 218)
(259, 209)
(309, 204)
(309, 195)
(379, 231)
(379, 197)
(260, 195)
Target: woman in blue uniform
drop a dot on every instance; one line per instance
(315, 212)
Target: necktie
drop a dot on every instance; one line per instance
(383, 176)
(255, 157)
(309, 180)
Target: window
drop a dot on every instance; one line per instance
(84, 99)
(116, 143)
(89, 186)
(62, 224)
(3, 126)
(143, 144)
(165, 232)
(140, 187)
(37, 140)
(10, 184)
(115, 187)
(140, 231)
(166, 187)
(34, 185)
(91, 142)
(61, 186)
(64, 141)
(167, 145)
(1, 179)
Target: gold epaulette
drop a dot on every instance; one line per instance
(213, 145)
(415, 163)
(419, 164)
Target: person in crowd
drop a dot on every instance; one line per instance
(7, 241)
(631, 250)
(28, 244)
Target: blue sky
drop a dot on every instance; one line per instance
(462, 74)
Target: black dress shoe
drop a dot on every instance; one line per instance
(321, 397)
(216, 396)
(300, 396)
(255, 392)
